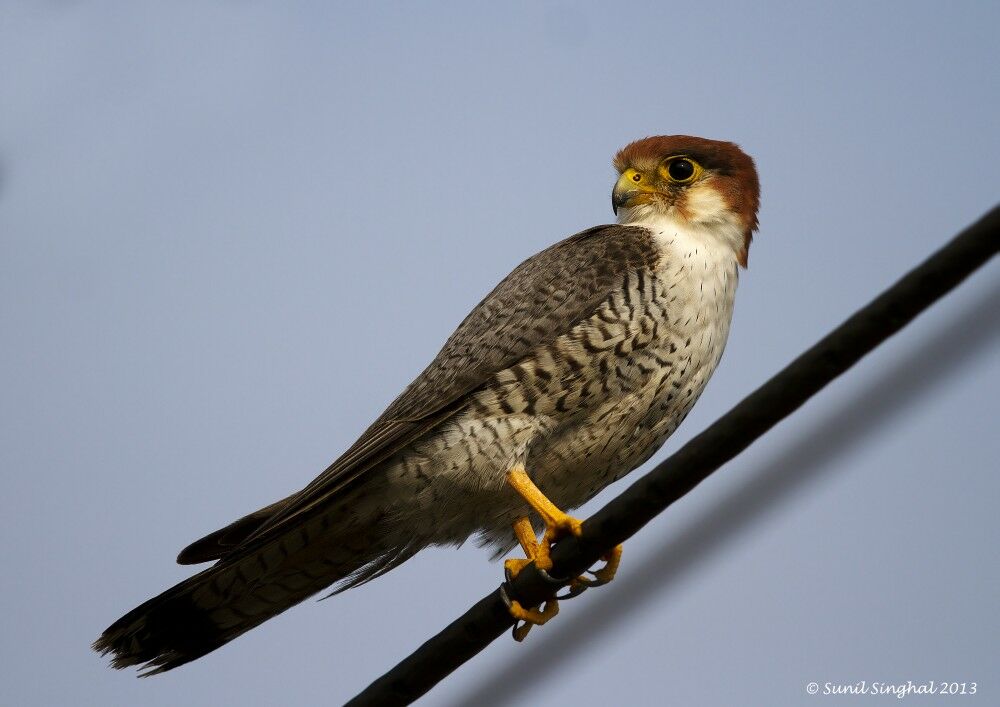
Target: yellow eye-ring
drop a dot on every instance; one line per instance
(681, 170)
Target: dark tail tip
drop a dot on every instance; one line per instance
(161, 634)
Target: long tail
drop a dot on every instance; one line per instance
(241, 591)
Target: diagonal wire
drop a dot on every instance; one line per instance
(778, 479)
(681, 472)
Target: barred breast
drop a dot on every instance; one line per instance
(584, 409)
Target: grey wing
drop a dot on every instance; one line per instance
(543, 297)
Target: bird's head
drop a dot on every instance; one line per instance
(705, 184)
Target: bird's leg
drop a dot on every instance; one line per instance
(557, 524)
(525, 535)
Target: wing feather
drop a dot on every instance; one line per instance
(542, 298)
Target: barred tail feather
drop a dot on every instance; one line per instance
(206, 611)
(165, 631)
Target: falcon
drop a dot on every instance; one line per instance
(572, 372)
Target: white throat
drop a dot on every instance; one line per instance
(704, 256)
(712, 223)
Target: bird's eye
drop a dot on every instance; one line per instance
(681, 170)
(636, 177)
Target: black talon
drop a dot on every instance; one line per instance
(505, 596)
(550, 579)
(574, 590)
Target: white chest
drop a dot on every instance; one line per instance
(699, 274)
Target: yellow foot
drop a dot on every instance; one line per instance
(526, 537)
(557, 525)
(531, 617)
(600, 577)
(513, 567)
(610, 569)
(567, 525)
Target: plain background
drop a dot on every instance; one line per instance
(231, 232)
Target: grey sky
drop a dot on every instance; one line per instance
(231, 233)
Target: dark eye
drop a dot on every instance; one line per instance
(636, 177)
(681, 170)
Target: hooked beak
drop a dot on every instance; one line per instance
(624, 193)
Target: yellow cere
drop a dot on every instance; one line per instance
(636, 180)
